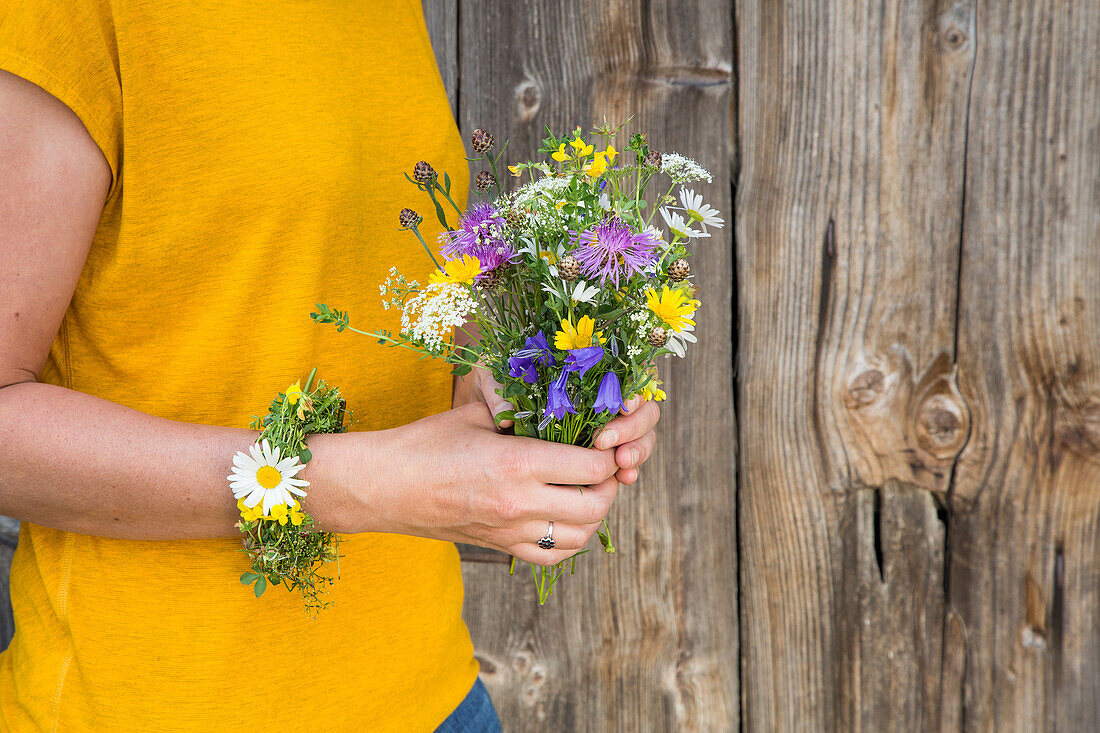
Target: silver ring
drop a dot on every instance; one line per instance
(547, 542)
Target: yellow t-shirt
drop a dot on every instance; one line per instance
(257, 150)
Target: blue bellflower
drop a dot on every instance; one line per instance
(581, 360)
(610, 396)
(535, 351)
(558, 402)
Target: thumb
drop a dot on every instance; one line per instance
(491, 391)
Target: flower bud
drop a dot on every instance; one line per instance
(423, 173)
(484, 180)
(481, 141)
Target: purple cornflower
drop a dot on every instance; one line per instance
(610, 251)
(581, 360)
(558, 402)
(534, 351)
(480, 235)
(610, 396)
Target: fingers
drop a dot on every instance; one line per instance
(640, 420)
(570, 505)
(557, 463)
(566, 536)
(636, 452)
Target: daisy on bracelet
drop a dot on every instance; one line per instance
(261, 481)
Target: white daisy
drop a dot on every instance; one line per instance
(698, 211)
(677, 341)
(583, 293)
(679, 227)
(262, 476)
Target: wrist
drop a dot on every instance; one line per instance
(345, 486)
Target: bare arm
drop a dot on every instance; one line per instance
(76, 462)
(73, 461)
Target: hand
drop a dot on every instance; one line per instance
(479, 386)
(632, 436)
(453, 477)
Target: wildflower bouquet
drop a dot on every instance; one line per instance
(573, 283)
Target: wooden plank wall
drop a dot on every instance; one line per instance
(918, 247)
(645, 640)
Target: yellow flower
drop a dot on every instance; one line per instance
(515, 171)
(610, 153)
(579, 337)
(561, 156)
(597, 167)
(279, 513)
(462, 270)
(673, 307)
(296, 516)
(560, 205)
(582, 149)
(548, 256)
(250, 515)
(294, 393)
(652, 390)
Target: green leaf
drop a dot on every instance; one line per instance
(261, 586)
(504, 415)
(305, 456)
(461, 370)
(446, 182)
(439, 213)
(249, 578)
(513, 389)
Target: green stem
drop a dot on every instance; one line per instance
(416, 231)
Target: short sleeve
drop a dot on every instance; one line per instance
(68, 48)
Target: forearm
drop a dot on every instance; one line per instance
(79, 463)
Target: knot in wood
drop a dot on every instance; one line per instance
(941, 425)
(864, 388)
(1078, 428)
(953, 37)
(528, 99)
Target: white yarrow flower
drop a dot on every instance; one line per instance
(679, 227)
(682, 169)
(262, 476)
(432, 313)
(698, 211)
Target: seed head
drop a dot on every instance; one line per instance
(409, 218)
(515, 218)
(484, 180)
(568, 268)
(652, 160)
(481, 141)
(423, 173)
(658, 337)
(679, 270)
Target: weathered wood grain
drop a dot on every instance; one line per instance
(9, 537)
(1024, 581)
(646, 639)
(441, 18)
(852, 123)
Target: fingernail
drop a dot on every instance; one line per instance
(608, 438)
(633, 457)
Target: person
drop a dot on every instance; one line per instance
(179, 184)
